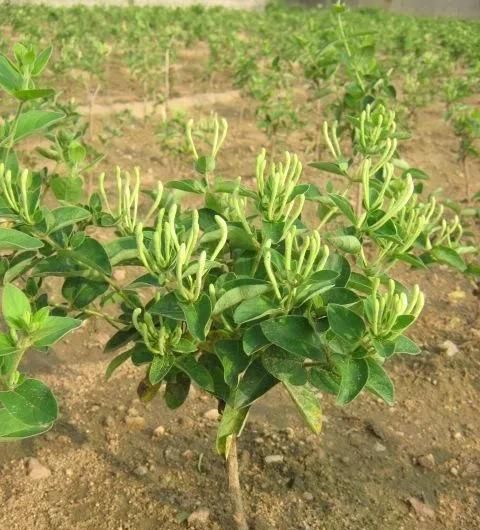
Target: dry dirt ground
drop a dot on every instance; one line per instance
(413, 466)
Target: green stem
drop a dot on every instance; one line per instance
(11, 136)
(349, 52)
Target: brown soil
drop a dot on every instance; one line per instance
(364, 472)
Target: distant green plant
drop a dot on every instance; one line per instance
(466, 123)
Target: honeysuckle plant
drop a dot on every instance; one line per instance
(280, 283)
(466, 123)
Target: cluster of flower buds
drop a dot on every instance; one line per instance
(205, 164)
(219, 128)
(304, 255)
(190, 277)
(384, 311)
(160, 254)
(277, 200)
(128, 192)
(388, 198)
(440, 231)
(159, 340)
(171, 249)
(375, 132)
(16, 194)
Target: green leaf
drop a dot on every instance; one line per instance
(92, 255)
(295, 335)
(31, 402)
(284, 366)
(249, 288)
(188, 185)
(255, 308)
(116, 362)
(237, 237)
(67, 216)
(53, 329)
(76, 152)
(255, 382)
(329, 167)
(360, 282)
(233, 359)
(212, 363)
(146, 391)
(10, 77)
(323, 380)
(349, 244)
(345, 323)
(35, 93)
(197, 315)
(185, 346)
(307, 404)
(121, 250)
(168, 306)
(273, 230)
(7, 346)
(379, 382)
(448, 256)
(354, 373)
(41, 61)
(68, 189)
(233, 421)
(405, 345)
(16, 307)
(205, 164)
(121, 338)
(339, 295)
(403, 322)
(196, 372)
(80, 292)
(34, 121)
(339, 264)
(11, 239)
(415, 173)
(160, 367)
(13, 429)
(176, 390)
(344, 206)
(318, 282)
(254, 340)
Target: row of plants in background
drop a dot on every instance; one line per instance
(281, 283)
(322, 49)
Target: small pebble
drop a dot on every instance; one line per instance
(421, 509)
(135, 422)
(108, 421)
(36, 470)
(308, 496)
(274, 459)
(426, 461)
(140, 471)
(199, 518)
(450, 348)
(212, 415)
(159, 431)
(380, 448)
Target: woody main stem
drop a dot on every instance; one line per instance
(235, 490)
